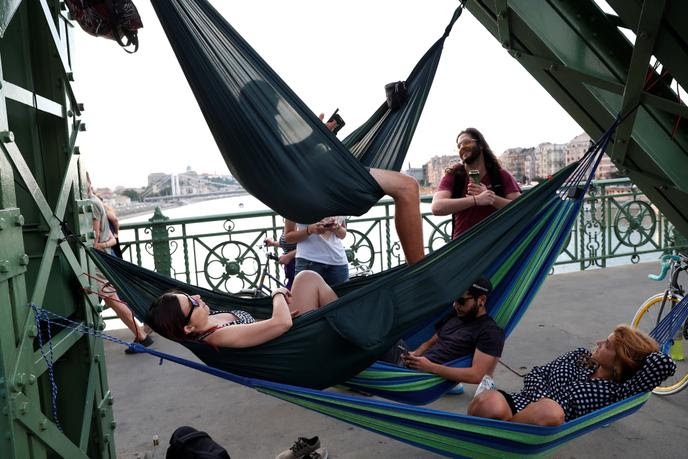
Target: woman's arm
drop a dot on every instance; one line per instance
(249, 335)
(293, 235)
(340, 230)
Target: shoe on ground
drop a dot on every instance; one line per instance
(145, 343)
(456, 390)
(320, 453)
(301, 447)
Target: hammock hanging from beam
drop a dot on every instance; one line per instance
(273, 144)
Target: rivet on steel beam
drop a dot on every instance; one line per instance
(4, 266)
(96, 358)
(70, 76)
(32, 379)
(82, 127)
(80, 106)
(110, 401)
(77, 151)
(113, 425)
(24, 260)
(19, 221)
(24, 407)
(7, 136)
(33, 332)
(43, 425)
(99, 309)
(106, 439)
(2, 224)
(103, 412)
(70, 113)
(83, 238)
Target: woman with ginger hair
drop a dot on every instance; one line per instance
(627, 362)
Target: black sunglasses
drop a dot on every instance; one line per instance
(461, 300)
(194, 304)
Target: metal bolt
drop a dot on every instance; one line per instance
(24, 260)
(110, 401)
(24, 407)
(19, 221)
(82, 127)
(7, 136)
(43, 425)
(103, 412)
(96, 358)
(33, 332)
(4, 266)
(80, 107)
(70, 113)
(113, 425)
(32, 379)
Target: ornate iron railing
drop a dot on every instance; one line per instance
(223, 252)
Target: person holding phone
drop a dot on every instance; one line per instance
(466, 330)
(474, 188)
(319, 248)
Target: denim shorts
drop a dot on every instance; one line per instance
(332, 274)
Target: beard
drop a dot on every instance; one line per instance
(471, 156)
(470, 315)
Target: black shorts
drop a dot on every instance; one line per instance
(509, 401)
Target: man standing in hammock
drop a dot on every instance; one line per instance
(474, 188)
(467, 330)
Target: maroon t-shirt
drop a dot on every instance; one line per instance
(465, 219)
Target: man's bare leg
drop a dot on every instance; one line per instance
(404, 190)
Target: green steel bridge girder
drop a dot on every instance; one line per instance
(41, 185)
(579, 55)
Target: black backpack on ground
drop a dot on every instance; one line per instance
(189, 443)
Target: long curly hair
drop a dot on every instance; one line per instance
(492, 164)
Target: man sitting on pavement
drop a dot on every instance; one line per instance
(468, 330)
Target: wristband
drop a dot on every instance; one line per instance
(475, 203)
(308, 232)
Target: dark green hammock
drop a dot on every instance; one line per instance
(273, 144)
(331, 345)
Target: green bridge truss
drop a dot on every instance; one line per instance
(40, 186)
(579, 54)
(574, 49)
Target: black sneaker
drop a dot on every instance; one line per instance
(145, 343)
(301, 447)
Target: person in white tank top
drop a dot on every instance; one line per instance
(319, 248)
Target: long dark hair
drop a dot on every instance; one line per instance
(491, 165)
(165, 316)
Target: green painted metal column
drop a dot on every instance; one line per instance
(60, 407)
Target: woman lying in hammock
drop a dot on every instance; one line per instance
(579, 382)
(181, 317)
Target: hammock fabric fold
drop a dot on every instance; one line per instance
(367, 319)
(273, 144)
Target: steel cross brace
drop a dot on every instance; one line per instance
(648, 23)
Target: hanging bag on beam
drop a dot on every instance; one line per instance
(117, 20)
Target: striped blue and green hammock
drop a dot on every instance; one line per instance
(442, 432)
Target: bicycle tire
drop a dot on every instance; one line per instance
(645, 319)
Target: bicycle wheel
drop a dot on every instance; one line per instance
(645, 319)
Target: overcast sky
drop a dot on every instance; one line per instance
(142, 117)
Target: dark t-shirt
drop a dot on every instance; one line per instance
(457, 339)
(465, 219)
